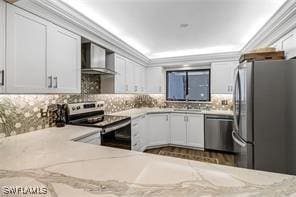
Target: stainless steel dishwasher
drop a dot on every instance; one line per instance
(218, 133)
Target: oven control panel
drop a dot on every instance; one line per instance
(85, 107)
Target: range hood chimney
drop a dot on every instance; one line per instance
(93, 60)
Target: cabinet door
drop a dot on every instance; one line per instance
(139, 134)
(2, 46)
(129, 76)
(120, 74)
(195, 130)
(232, 67)
(142, 79)
(178, 129)
(158, 129)
(137, 78)
(289, 44)
(222, 74)
(155, 80)
(26, 53)
(135, 131)
(143, 133)
(64, 60)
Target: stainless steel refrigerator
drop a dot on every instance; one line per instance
(264, 130)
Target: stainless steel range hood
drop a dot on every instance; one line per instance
(93, 60)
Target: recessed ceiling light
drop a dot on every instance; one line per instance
(184, 25)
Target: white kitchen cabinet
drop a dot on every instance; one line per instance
(137, 78)
(120, 74)
(26, 52)
(129, 76)
(178, 129)
(41, 57)
(139, 134)
(288, 44)
(2, 46)
(195, 130)
(158, 129)
(142, 79)
(64, 63)
(222, 77)
(155, 80)
(114, 84)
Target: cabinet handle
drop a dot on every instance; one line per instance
(167, 118)
(50, 81)
(56, 82)
(159, 89)
(2, 78)
(126, 87)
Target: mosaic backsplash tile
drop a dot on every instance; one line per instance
(21, 113)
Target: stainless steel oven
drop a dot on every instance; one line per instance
(118, 135)
(115, 131)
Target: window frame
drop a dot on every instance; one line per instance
(186, 90)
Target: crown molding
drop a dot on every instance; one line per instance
(196, 59)
(63, 15)
(281, 23)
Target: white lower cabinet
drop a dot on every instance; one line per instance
(195, 130)
(178, 129)
(187, 130)
(158, 128)
(138, 133)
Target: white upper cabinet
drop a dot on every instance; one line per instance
(155, 80)
(288, 44)
(120, 74)
(158, 129)
(178, 129)
(41, 57)
(26, 52)
(129, 76)
(64, 63)
(222, 76)
(2, 46)
(142, 79)
(195, 130)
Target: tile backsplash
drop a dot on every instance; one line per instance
(22, 113)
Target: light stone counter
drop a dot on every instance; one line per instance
(48, 158)
(136, 112)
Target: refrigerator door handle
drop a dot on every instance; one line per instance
(234, 102)
(238, 140)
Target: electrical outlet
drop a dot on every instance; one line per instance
(44, 113)
(224, 102)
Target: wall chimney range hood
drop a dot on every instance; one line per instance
(93, 60)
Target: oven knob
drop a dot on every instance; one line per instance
(101, 105)
(78, 107)
(73, 108)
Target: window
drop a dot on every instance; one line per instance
(193, 85)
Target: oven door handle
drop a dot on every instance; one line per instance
(115, 127)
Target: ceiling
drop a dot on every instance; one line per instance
(172, 28)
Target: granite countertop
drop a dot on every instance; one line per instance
(48, 158)
(136, 112)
